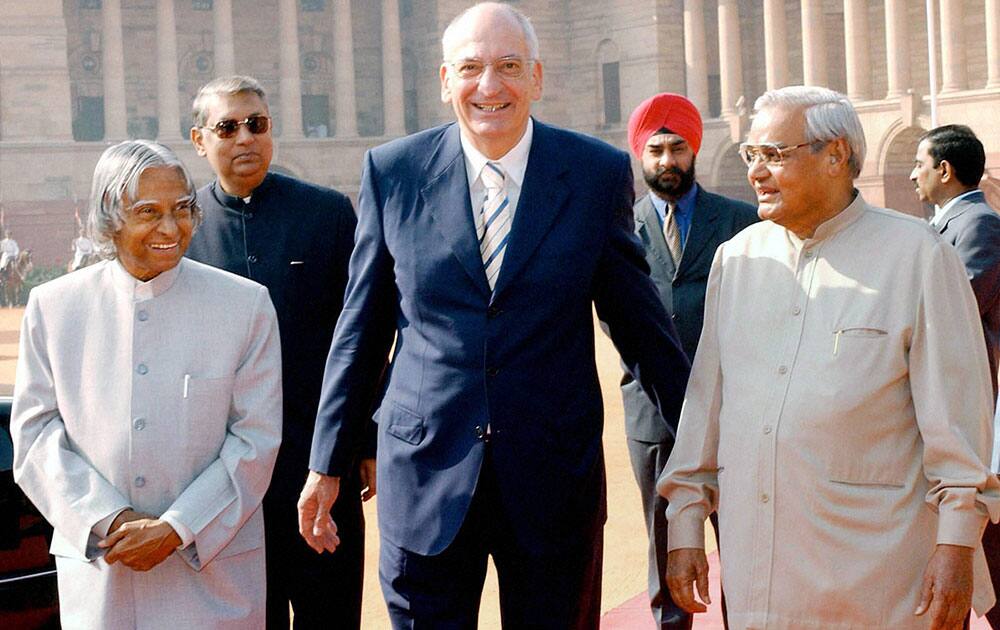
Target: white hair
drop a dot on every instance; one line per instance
(530, 38)
(829, 115)
(116, 178)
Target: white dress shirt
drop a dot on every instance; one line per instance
(514, 163)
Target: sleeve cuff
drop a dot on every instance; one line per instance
(101, 528)
(183, 531)
(963, 528)
(686, 531)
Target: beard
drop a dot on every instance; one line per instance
(672, 188)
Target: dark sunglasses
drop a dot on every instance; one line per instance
(227, 128)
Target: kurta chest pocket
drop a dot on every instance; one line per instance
(205, 404)
(846, 337)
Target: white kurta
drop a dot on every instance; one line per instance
(164, 396)
(838, 415)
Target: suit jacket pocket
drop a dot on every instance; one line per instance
(402, 423)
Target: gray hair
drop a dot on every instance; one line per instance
(829, 115)
(235, 84)
(530, 38)
(116, 178)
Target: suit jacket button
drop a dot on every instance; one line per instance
(492, 371)
(479, 432)
(251, 258)
(673, 316)
(493, 311)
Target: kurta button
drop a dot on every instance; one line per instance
(492, 371)
(139, 424)
(480, 432)
(782, 369)
(142, 369)
(251, 258)
(143, 316)
(767, 429)
(809, 254)
(796, 310)
(140, 482)
(673, 316)
(249, 215)
(764, 498)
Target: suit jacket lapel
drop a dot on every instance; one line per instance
(701, 230)
(959, 208)
(542, 198)
(650, 231)
(446, 196)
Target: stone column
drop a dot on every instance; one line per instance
(222, 22)
(113, 63)
(813, 44)
(343, 70)
(695, 55)
(775, 45)
(859, 84)
(730, 63)
(897, 47)
(953, 69)
(290, 86)
(167, 99)
(993, 43)
(392, 71)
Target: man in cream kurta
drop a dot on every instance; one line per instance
(165, 397)
(838, 413)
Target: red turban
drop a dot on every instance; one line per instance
(669, 111)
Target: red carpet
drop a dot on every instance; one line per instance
(634, 614)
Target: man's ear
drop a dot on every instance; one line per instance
(445, 84)
(947, 171)
(198, 140)
(839, 153)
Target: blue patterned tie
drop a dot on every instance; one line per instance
(493, 222)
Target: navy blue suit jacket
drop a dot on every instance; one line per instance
(520, 358)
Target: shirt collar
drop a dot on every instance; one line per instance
(232, 201)
(139, 290)
(683, 207)
(514, 162)
(940, 211)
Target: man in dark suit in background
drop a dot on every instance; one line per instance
(484, 246)
(680, 225)
(949, 163)
(296, 239)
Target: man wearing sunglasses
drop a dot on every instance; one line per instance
(294, 238)
(839, 409)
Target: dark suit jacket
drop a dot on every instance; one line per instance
(715, 220)
(974, 229)
(520, 358)
(296, 239)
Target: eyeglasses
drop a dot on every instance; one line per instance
(148, 214)
(227, 127)
(768, 153)
(507, 67)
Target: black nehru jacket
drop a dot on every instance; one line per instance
(296, 239)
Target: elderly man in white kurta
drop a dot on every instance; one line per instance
(838, 413)
(147, 415)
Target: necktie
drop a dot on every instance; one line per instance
(672, 235)
(493, 222)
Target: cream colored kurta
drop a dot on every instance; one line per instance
(164, 396)
(838, 415)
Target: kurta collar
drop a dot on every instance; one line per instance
(236, 203)
(141, 291)
(833, 225)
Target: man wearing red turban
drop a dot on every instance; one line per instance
(680, 225)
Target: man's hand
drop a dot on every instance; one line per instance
(315, 523)
(685, 566)
(127, 516)
(366, 473)
(947, 588)
(140, 544)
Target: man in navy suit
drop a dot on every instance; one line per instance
(949, 163)
(680, 225)
(483, 246)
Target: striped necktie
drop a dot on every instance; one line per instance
(672, 235)
(493, 222)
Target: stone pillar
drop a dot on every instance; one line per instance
(897, 47)
(167, 99)
(695, 55)
(993, 43)
(775, 45)
(813, 44)
(858, 55)
(222, 23)
(953, 69)
(730, 63)
(343, 70)
(115, 113)
(290, 86)
(393, 102)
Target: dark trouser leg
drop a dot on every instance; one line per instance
(324, 590)
(648, 460)
(991, 547)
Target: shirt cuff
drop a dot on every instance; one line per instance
(101, 527)
(183, 531)
(963, 528)
(686, 530)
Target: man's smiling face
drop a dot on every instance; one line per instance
(491, 109)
